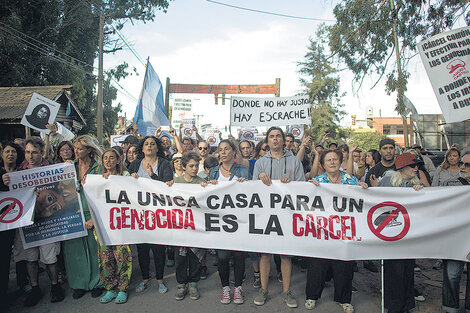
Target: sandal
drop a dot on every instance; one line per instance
(121, 297)
(347, 307)
(309, 304)
(108, 297)
(142, 286)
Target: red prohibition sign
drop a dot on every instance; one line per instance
(15, 202)
(398, 209)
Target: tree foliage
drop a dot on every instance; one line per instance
(366, 140)
(319, 77)
(55, 42)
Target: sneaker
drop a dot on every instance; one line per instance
(310, 304)
(57, 293)
(437, 265)
(369, 265)
(257, 281)
(419, 296)
(170, 263)
(34, 297)
(261, 297)
(289, 299)
(417, 269)
(279, 277)
(108, 296)
(203, 272)
(347, 307)
(162, 288)
(142, 286)
(193, 292)
(78, 293)
(181, 291)
(238, 295)
(225, 296)
(96, 292)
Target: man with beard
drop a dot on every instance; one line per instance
(387, 152)
(453, 269)
(166, 143)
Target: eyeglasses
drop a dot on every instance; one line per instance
(413, 165)
(202, 148)
(467, 165)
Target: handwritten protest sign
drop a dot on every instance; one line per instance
(446, 58)
(40, 112)
(329, 221)
(58, 210)
(16, 208)
(274, 111)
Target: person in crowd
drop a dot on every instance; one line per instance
(372, 159)
(129, 141)
(449, 169)
(115, 261)
(64, 152)
(332, 146)
(387, 162)
(188, 144)
(319, 147)
(167, 144)
(46, 253)
(345, 150)
(228, 170)
(176, 165)
(81, 254)
(246, 149)
(188, 260)
(277, 164)
(423, 174)
(399, 274)
(331, 161)
(210, 162)
(203, 150)
(453, 269)
(151, 163)
(290, 138)
(428, 164)
(12, 157)
(131, 155)
(20, 142)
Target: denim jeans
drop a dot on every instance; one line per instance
(451, 286)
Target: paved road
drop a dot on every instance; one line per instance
(366, 300)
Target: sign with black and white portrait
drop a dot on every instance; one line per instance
(40, 112)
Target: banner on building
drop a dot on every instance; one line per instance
(16, 208)
(298, 218)
(58, 211)
(446, 58)
(274, 111)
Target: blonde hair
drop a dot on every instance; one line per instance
(397, 179)
(92, 144)
(118, 157)
(445, 164)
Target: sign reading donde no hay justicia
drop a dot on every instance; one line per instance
(446, 58)
(298, 218)
(274, 111)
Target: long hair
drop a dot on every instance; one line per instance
(58, 158)
(445, 164)
(19, 153)
(258, 148)
(375, 156)
(160, 152)
(397, 178)
(118, 157)
(91, 143)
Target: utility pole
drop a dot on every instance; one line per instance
(401, 106)
(99, 110)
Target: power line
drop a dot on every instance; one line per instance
(270, 13)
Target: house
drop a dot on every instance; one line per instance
(13, 103)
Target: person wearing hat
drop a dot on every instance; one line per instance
(127, 142)
(399, 274)
(387, 153)
(428, 165)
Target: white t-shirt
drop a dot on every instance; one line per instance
(143, 173)
(223, 178)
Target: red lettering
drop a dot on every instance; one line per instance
(160, 223)
(149, 220)
(310, 226)
(333, 234)
(344, 227)
(189, 220)
(112, 225)
(322, 223)
(177, 218)
(124, 218)
(297, 231)
(136, 217)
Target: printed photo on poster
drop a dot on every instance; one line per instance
(40, 112)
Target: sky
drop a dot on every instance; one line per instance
(200, 42)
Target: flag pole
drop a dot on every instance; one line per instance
(136, 120)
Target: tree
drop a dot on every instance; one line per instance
(367, 140)
(322, 85)
(55, 42)
(368, 33)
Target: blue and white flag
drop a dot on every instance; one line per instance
(150, 111)
(69, 109)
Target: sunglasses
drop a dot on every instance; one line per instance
(467, 165)
(202, 148)
(413, 165)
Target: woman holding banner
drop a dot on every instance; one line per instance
(399, 295)
(228, 170)
(115, 261)
(331, 161)
(81, 254)
(151, 163)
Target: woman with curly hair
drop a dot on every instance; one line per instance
(115, 261)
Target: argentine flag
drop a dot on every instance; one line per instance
(150, 110)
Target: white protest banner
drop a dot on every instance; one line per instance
(329, 221)
(248, 133)
(297, 130)
(16, 208)
(446, 58)
(274, 111)
(187, 130)
(212, 136)
(40, 111)
(58, 210)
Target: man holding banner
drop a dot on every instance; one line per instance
(280, 164)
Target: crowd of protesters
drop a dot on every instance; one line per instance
(168, 158)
